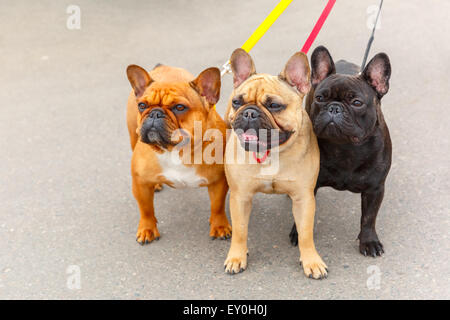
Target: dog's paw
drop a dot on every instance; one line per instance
(235, 264)
(369, 245)
(158, 187)
(371, 248)
(147, 235)
(221, 232)
(314, 267)
(293, 236)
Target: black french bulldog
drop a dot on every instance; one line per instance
(355, 146)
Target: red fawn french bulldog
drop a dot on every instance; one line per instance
(163, 102)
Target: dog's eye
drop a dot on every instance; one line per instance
(179, 108)
(275, 106)
(236, 103)
(142, 106)
(320, 98)
(357, 103)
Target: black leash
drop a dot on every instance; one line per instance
(369, 44)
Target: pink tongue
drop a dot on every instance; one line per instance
(249, 137)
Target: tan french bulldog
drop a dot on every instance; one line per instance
(280, 152)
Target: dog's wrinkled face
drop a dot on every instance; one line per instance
(344, 108)
(168, 110)
(263, 110)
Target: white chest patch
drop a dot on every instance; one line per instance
(176, 172)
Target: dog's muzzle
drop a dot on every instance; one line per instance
(250, 118)
(255, 131)
(334, 109)
(154, 128)
(335, 124)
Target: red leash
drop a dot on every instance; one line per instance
(312, 36)
(318, 26)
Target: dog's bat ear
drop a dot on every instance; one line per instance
(322, 65)
(139, 79)
(207, 84)
(242, 66)
(377, 73)
(297, 73)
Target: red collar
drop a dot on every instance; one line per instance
(264, 157)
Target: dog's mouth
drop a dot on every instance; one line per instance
(157, 135)
(338, 133)
(154, 137)
(263, 139)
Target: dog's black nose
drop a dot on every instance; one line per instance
(250, 114)
(334, 109)
(157, 113)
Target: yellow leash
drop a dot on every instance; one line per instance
(259, 32)
(265, 25)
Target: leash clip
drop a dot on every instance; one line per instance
(226, 68)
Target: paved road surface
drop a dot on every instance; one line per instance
(65, 185)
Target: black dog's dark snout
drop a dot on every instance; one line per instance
(334, 109)
(250, 114)
(157, 113)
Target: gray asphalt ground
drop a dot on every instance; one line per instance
(65, 189)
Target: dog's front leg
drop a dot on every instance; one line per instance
(369, 244)
(219, 226)
(240, 208)
(147, 229)
(293, 235)
(303, 208)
